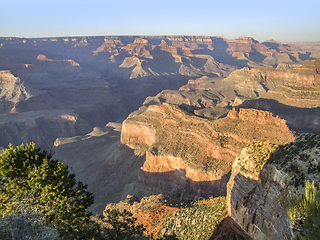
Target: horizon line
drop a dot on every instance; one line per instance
(148, 35)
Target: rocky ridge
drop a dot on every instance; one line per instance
(14, 90)
(263, 177)
(165, 129)
(198, 152)
(287, 91)
(91, 75)
(166, 150)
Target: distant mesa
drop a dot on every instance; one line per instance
(244, 40)
(115, 41)
(163, 42)
(83, 42)
(272, 41)
(141, 41)
(42, 57)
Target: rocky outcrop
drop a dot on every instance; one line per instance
(13, 90)
(293, 94)
(165, 150)
(196, 149)
(290, 91)
(253, 196)
(41, 127)
(265, 176)
(134, 134)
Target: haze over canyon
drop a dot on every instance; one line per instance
(150, 115)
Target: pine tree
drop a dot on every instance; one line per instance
(55, 192)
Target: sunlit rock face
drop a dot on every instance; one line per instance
(192, 153)
(103, 79)
(65, 87)
(263, 178)
(290, 91)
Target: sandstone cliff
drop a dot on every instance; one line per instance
(290, 91)
(197, 150)
(265, 176)
(166, 150)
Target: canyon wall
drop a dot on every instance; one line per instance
(291, 91)
(264, 177)
(41, 127)
(103, 79)
(166, 150)
(196, 151)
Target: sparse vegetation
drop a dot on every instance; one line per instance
(197, 220)
(121, 225)
(166, 218)
(24, 224)
(298, 158)
(141, 149)
(259, 153)
(196, 140)
(304, 212)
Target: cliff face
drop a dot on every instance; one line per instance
(293, 94)
(263, 177)
(165, 150)
(194, 149)
(253, 197)
(14, 90)
(42, 127)
(291, 91)
(92, 75)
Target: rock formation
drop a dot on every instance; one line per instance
(166, 150)
(42, 127)
(70, 88)
(265, 176)
(195, 149)
(290, 91)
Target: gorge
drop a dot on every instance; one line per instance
(166, 115)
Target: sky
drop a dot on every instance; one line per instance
(284, 21)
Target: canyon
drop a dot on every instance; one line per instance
(103, 79)
(172, 115)
(166, 150)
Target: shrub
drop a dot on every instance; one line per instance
(304, 212)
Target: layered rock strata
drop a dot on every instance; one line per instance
(263, 177)
(166, 150)
(194, 149)
(291, 91)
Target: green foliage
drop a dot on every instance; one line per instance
(121, 225)
(197, 221)
(258, 154)
(62, 202)
(194, 220)
(25, 224)
(304, 212)
(296, 158)
(169, 237)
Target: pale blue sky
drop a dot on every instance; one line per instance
(262, 20)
